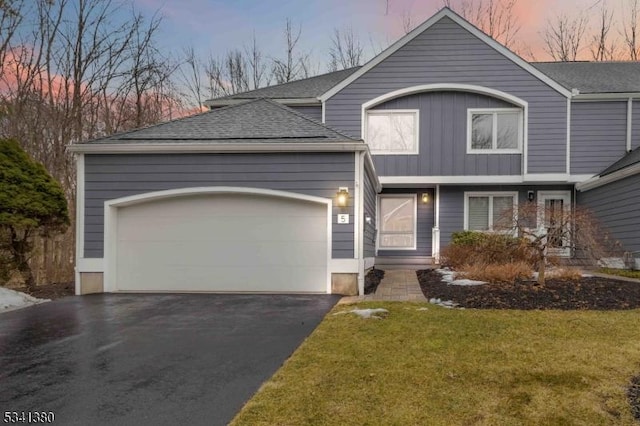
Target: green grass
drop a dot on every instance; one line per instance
(620, 272)
(443, 366)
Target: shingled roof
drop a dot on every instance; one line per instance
(306, 88)
(253, 121)
(594, 77)
(630, 159)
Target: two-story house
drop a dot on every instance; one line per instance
(303, 186)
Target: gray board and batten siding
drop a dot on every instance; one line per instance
(113, 176)
(452, 203)
(425, 222)
(447, 53)
(598, 135)
(616, 207)
(370, 200)
(443, 138)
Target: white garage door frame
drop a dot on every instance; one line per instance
(111, 219)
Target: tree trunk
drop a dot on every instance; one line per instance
(541, 270)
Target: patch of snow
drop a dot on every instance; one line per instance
(612, 262)
(422, 309)
(11, 299)
(450, 304)
(377, 313)
(449, 277)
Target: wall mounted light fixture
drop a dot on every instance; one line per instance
(368, 219)
(425, 197)
(530, 195)
(342, 196)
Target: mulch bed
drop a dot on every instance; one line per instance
(372, 280)
(633, 395)
(51, 291)
(589, 293)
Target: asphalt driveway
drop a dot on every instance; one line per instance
(149, 359)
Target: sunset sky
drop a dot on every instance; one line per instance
(219, 25)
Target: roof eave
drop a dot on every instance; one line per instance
(209, 147)
(285, 101)
(599, 181)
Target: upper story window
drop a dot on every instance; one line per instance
(392, 132)
(494, 131)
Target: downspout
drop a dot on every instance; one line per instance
(435, 231)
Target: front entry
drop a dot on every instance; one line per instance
(553, 207)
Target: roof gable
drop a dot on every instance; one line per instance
(443, 14)
(259, 120)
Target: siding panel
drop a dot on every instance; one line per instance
(447, 53)
(369, 210)
(113, 176)
(443, 138)
(314, 112)
(598, 135)
(616, 206)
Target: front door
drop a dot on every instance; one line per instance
(553, 208)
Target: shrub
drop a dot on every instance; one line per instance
(497, 273)
(478, 248)
(565, 274)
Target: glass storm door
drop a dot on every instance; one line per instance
(553, 208)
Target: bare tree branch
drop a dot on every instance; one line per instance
(564, 36)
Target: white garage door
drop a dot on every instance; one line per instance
(222, 242)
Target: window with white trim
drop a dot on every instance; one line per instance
(392, 131)
(494, 131)
(397, 222)
(486, 211)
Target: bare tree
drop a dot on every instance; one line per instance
(497, 18)
(564, 36)
(631, 31)
(602, 49)
(407, 22)
(345, 51)
(11, 15)
(257, 65)
(291, 66)
(551, 230)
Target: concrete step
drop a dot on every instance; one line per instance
(409, 263)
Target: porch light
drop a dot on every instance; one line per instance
(425, 197)
(343, 196)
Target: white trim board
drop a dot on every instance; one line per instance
(111, 220)
(80, 178)
(446, 12)
(550, 178)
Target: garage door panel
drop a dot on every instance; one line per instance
(221, 242)
(233, 253)
(227, 228)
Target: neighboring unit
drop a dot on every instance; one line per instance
(379, 164)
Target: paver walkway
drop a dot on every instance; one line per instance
(398, 285)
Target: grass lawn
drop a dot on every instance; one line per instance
(621, 272)
(441, 366)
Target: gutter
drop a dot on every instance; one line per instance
(167, 148)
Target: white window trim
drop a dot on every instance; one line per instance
(416, 129)
(491, 194)
(414, 196)
(494, 111)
